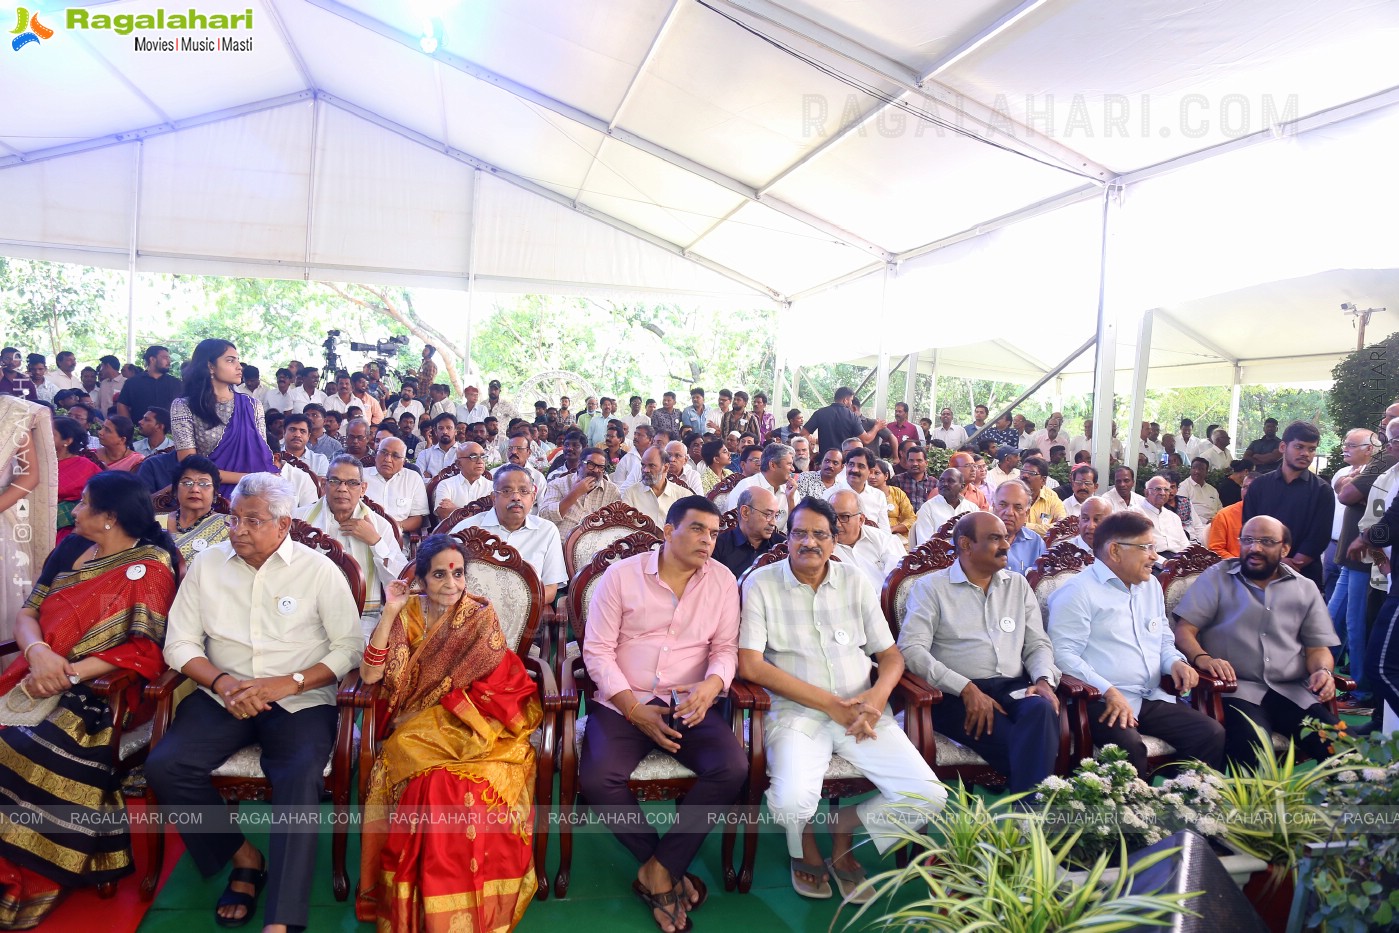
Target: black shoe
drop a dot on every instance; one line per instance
(1364, 730)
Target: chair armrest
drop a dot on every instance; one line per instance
(550, 696)
(9, 647)
(354, 692)
(749, 696)
(918, 691)
(163, 687)
(1343, 683)
(1070, 687)
(114, 682)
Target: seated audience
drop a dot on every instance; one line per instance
(657, 490)
(443, 452)
(1122, 495)
(194, 525)
(776, 474)
(753, 534)
(99, 605)
(115, 451)
(998, 680)
(1110, 630)
(812, 635)
(817, 483)
(1083, 483)
(1204, 498)
(510, 519)
(1045, 507)
(1256, 621)
(401, 492)
(873, 503)
(296, 434)
(75, 467)
(917, 483)
(874, 551)
(283, 700)
(1007, 458)
(1168, 535)
(1090, 515)
(937, 511)
(900, 512)
(470, 483)
(570, 498)
(716, 457)
(663, 626)
(155, 432)
(1012, 506)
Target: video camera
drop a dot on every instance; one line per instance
(386, 347)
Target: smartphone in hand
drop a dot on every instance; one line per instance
(676, 723)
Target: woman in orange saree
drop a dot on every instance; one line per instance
(447, 837)
(99, 605)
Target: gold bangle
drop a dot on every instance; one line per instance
(35, 644)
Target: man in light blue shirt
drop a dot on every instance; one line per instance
(1109, 628)
(1011, 503)
(699, 417)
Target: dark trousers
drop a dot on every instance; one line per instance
(1382, 656)
(1190, 732)
(613, 747)
(1275, 714)
(1023, 741)
(295, 749)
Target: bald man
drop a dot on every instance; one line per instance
(1093, 510)
(401, 492)
(1258, 621)
(966, 464)
(937, 511)
(658, 489)
(872, 549)
(755, 532)
(470, 484)
(682, 470)
(1169, 532)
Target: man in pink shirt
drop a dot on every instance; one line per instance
(664, 622)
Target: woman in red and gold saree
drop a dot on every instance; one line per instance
(461, 709)
(99, 605)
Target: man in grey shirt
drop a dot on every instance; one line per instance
(974, 631)
(1256, 620)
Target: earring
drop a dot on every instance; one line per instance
(107, 527)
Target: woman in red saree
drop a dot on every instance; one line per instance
(462, 709)
(99, 605)
(75, 467)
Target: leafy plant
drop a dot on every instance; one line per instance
(976, 880)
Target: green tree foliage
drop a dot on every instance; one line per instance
(51, 306)
(1365, 385)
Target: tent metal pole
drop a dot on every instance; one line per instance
(1008, 408)
(131, 254)
(779, 365)
(471, 271)
(1132, 436)
(1234, 393)
(881, 382)
(1105, 364)
(933, 391)
(911, 383)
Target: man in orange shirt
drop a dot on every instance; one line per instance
(1228, 523)
(966, 463)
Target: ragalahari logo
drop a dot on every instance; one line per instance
(28, 30)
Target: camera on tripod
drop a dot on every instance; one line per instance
(386, 346)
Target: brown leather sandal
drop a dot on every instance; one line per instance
(667, 902)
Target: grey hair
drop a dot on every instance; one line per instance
(775, 452)
(355, 422)
(745, 498)
(346, 460)
(271, 489)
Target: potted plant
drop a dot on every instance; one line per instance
(1353, 879)
(995, 867)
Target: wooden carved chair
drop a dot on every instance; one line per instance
(719, 495)
(475, 507)
(438, 478)
(658, 776)
(378, 509)
(367, 460)
(729, 520)
(1178, 573)
(944, 532)
(1053, 569)
(240, 777)
(1062, 530)
(165, 501)
(496, 571)
(298, 463)
(912, 700)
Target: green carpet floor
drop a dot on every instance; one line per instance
(599, 897)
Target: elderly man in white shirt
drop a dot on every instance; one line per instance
(467, 486)
(265, 627)
(517, 451)
(873, 551)
(953, 435)
(1084, 483)
(682, 471)
(364, 534)
(1167, 528)
(657, 491)
(1217, 453)
(509, 519)
(1204, 498)
(873, 502)
(936, 512)
(402, 493)
(775, 474)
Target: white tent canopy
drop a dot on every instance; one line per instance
(946, 162)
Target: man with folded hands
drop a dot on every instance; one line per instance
(974, 631)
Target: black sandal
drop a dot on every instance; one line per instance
(667, 902)
(257, 877)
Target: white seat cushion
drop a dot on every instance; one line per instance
(951, 754)
(656, 766)
(1155, 748)
(247, 762)
(135, 740)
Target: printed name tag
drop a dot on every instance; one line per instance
(135, 571)
(286, 605)
(1007, 624)
(199, 544)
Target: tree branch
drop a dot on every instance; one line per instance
(418, 328)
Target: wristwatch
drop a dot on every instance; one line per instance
(300, 680)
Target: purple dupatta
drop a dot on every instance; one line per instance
(241, 450)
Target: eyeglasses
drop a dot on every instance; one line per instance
(1148, 548)
(253, 523)
(1261, 542)
(843, 517)
(471, 457)
(817, 536)
(391, 455)
(769, 514)
(347, 483)
(195, 484)
(1349, 446)
(594, 465)
(1030, 475)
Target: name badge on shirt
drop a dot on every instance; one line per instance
(1007, 624)
(135, 571)
(199, 544)
(1151, 626)
(286, 605)
(403, 500)
(842, 637)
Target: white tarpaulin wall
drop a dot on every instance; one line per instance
(748, 150)
(1255, 248)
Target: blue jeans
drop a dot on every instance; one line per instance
(1348, 609)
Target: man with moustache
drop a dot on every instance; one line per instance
(1094, 510)
(754, 534)
(443, 453)
(570, 498)
(974, 631)
(509, 519)
(915, 481)
(938, 510)
(467, 486)
(1257, 621)
(775, 474)
(1122, 495)
(658, 490)
(1012, 506)
(1083, 485)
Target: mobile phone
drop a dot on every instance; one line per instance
(676, 722)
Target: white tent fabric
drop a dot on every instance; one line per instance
(939, 164)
